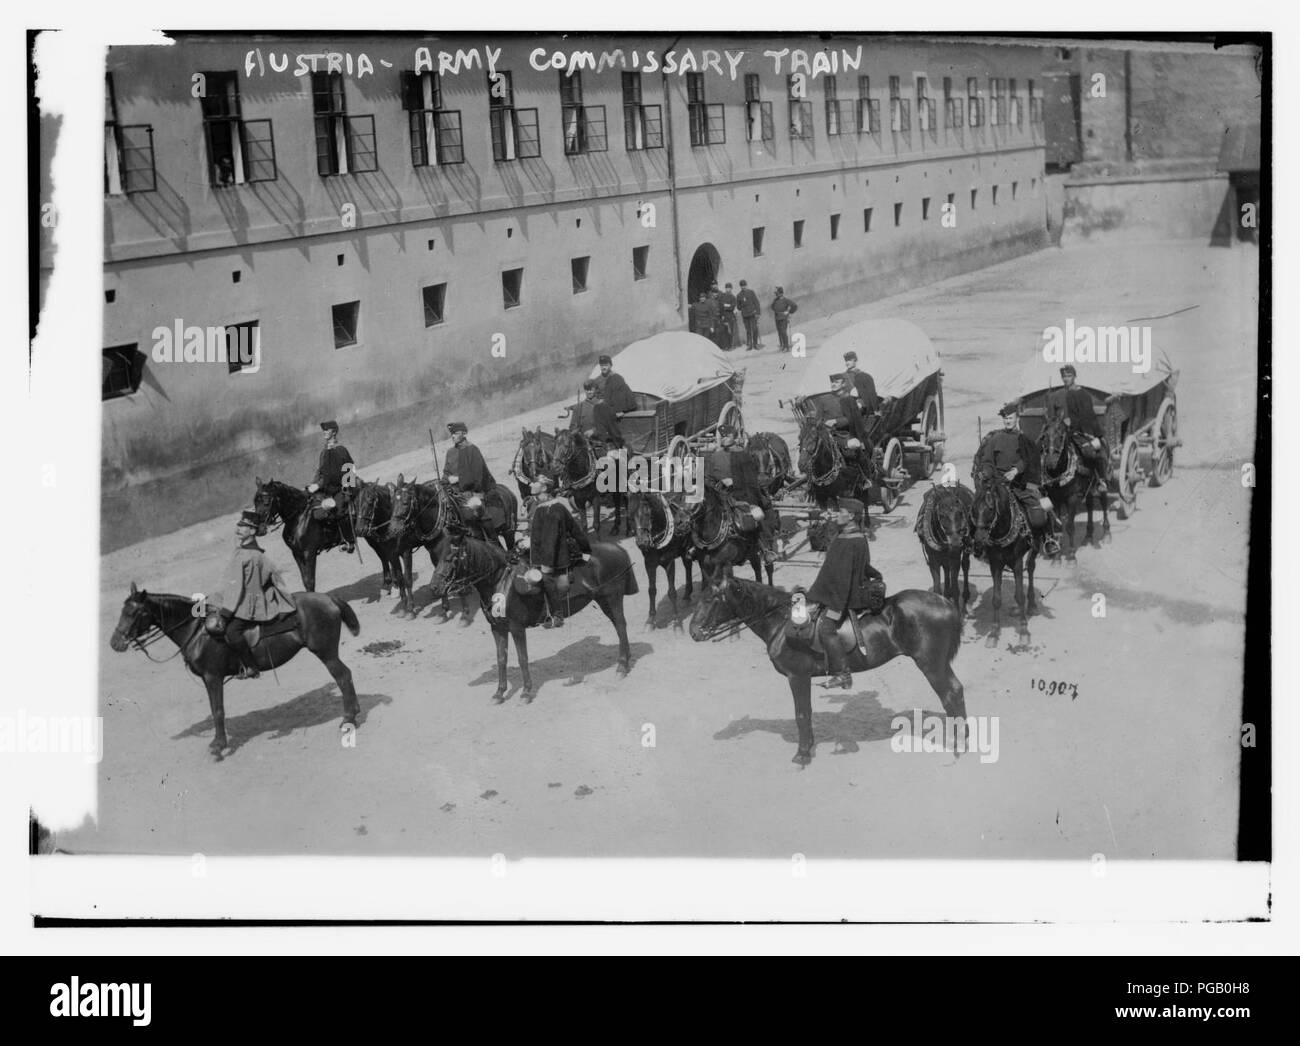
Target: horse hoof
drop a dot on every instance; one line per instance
(650, 623)
(499, 697)
(528, 696)
(348, 726)
(991, 642)
(677, 628)
(622, 671)
(802, 757)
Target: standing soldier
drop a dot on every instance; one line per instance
(841, 586)
(254, 591)
(464, 467)
(864, 385)
(704, 316)
(747, 303)
(550, 532)
(327, 484)
(1011, 454)
(727, 318)
(782, 309)
(613, 389)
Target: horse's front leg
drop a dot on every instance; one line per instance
(613, 609)
(933, 561)
(309, 570)
(995, 571)
(520, 635)
(1030, 560)
(651, 573)
(1022, 621)
(215, 685)
(670, 572)
(801, 691)
(690, 582)
(1105, 516)
(499, 637)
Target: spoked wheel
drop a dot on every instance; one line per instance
(1165, 431)
(731, 415)
(893, 459)
(931, 426)
(1128, 476)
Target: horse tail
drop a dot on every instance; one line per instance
(348, 614)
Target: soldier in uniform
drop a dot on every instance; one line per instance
(1012, 455)
(782, 309)
(552, 532)
(736, 469)
(841, 586)
(328, 481)
(747, 303)
(593, 418)
(704, 316)
(613, 389)
(864, 386)
(1075, 406)
(254, 591)
(464, 467)
(727, 318)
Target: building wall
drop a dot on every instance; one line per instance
(171, 254)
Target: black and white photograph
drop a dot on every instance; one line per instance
(752, 446)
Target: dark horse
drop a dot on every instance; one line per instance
(473, 563)
(944, 528)
(533, 459)
(305, 536)
(373, 521)
(662, 524)
(1002, 536)
(421, 514)
(720, 543)
(775, 468)
(575, 466)
(921, 625)
(1071, 481)
(829, 474)
(146, 617)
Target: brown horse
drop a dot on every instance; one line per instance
(775, 468)
(421, 516)
(305, 536)
(532, 460)
(829, 474)
(920, 625)
(662, 524)
(321, 616)
(943, 527)
(1072, 481)
(719, 543)
(1002, 536)
(472, 563)
(575, 466)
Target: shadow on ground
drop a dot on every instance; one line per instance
(314, 708)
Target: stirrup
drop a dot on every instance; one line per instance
(841, 680)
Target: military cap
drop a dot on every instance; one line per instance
(839, 377)
(590, 383)
(329, 426)
(850, 505)
(850, 355)
(250, 519)
(542, 482)
(1010, 409)
(605, 359)
(780, 290)
(1069, 369)
(457, 426)
(744, 283)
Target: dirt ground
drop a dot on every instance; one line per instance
(1143, 762)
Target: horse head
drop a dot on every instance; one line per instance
(992, 500)
(815, 445)
(403, 510)
(138, 616)
(648, 518)
(451, 566)
(950, 518)
(533, 455)
(369, 503)
(718, 608)
(1053, 445)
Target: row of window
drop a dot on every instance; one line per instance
(241, 150)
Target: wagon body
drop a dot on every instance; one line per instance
(684, 388)
(1138, 413)
(908, 433)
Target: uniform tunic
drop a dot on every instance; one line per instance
(549, 532)
(1003, 450)
(329, 473)
(1076, 404)
(747, 303)
(739, 466)
(866, 386)
(616, 394)
(706, 316)
(467, 465)
(783, 308)
(589, 415)
(842, 581)
(254, 590)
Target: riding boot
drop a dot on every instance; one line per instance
(1051, 540)
(249, 661)
(554, 606)
(836, 659)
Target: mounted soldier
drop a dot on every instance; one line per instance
(611, 388)
(1075, 407)
(843, 417)
(327, 487)
(555, 542)
(254, 591)
(469, 475)
(1009, 453)
(843, 586)
(595, 420)
(736, 471)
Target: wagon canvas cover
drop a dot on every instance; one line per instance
(1110, 379)
(896, 353)
(672, 366)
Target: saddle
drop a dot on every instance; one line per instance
(215, 625)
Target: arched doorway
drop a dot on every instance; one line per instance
(706, 263)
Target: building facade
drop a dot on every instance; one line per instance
(412, 228)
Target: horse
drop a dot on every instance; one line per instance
(533, 459)
(605, 579)
(575, 465)
(1070, 480)
(943, 527)
(1002, 535)
(147, 617)
(775, 468)
(921, 625)
(662, 525)
(305, 536)
(373, 521)
(421, 516)
(830, 475)
(719, 543)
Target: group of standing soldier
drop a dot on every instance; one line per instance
(715, 313)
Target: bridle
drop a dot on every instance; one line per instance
(573, 442)
(450, 567)
(995, 488)
(401, 518)
(738, 621)
(820, 439)
(155, 633)
(927, 524)
(533, 455)
(726, 527)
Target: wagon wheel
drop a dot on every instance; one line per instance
(679, 448)
(1165, 431)
(1128, 476)
(892, 460)
(931, 457)
(731, 415)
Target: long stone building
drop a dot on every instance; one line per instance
(411, 228)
